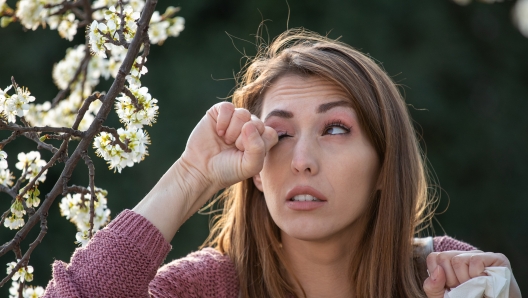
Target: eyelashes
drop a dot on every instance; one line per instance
(329, 128)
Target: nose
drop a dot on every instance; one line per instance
(304, 159)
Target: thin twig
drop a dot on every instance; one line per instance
(117, 140)
(84, 108)
(11, 138)
(25, 259)
(133, 99)
(35, 129)
(75, 189)
(91, 173)
(8, 190)
(84, 65)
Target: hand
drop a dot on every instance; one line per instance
(449, 269)
(227, 146)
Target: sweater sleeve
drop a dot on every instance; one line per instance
(202, 274)
(119, 261)
(445, 243)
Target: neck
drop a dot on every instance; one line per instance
(321, 267)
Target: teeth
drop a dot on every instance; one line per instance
(302, 198)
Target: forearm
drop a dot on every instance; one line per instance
(176, 197)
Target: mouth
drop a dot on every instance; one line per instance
(305, 193)
(304, 198)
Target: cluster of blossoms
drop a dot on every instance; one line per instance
(130, 115)
(76, 208)
(24, 274)
(34, 13)
(162, 27)
(31, 165)
(6, 176)
(16, 104)
(65, 112)
(136, 140)
(27, 292)
(104, 32)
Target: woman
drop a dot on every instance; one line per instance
(326, 189)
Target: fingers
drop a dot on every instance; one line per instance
(443, 259)
(434, 285)
(238, 119)
(225, 111)
(254, 149)
(460, 266)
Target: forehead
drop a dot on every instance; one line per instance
(293, 92)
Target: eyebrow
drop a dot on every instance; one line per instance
(321, 109)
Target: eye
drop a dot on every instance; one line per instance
(283, 135)
(336, 128)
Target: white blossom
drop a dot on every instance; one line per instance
(24, 273)
(82, 238)
(136, 72)
(33, 165)
(33, 292)
(6, 177)
(158, 29)
(177, 26)
(27, 292)
(13, 222)
(30, 13)
(16, 104)
(68, 27)
(96, 39)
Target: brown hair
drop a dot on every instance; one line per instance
(383, 264)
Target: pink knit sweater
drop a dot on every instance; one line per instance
(122, 260)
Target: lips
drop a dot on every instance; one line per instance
(305, 190)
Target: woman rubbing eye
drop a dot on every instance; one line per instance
(325, 191)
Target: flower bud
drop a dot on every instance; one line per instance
(5, 21)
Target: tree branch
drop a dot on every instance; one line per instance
(85, 142)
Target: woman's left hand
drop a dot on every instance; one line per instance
(449, 269)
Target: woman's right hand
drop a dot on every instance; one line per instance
(227, 146)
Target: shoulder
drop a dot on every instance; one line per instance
(204, 273)
(444, 243)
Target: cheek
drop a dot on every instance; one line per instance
(352, 174)
(275, 172)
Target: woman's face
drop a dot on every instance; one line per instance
(319, 177)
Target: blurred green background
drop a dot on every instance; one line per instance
(463, 71)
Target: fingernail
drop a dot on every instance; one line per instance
(435, 273)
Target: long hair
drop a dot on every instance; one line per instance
(382, 265)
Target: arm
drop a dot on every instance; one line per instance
(227, 146)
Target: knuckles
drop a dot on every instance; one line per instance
(459, 261)
(443, 258)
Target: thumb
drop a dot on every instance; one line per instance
(434, 285)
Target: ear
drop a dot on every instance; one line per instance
(258, 182)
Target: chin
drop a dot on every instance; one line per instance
(306, 231)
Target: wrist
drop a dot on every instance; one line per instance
(193, 184)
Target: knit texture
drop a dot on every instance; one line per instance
(122, 259)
